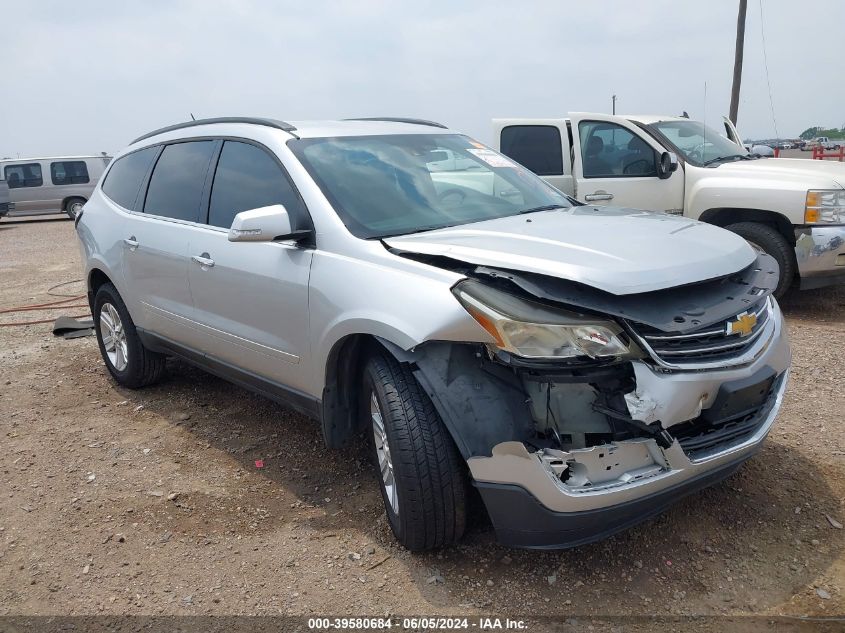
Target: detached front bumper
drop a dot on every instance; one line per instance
(820, 253)
(531, 505)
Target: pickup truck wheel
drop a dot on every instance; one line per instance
(768, 240)
(421, 474)
(73, 207)
(128, 361)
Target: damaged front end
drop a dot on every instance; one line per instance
(591, 412)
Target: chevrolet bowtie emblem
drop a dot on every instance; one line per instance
(743, 325)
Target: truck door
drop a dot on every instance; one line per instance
(616, 163)
(539, 145)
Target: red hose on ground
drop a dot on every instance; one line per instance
(52, 305)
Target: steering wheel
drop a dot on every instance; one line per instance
(638, 167)
(452, 197)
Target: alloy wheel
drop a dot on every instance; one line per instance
(385, 463)
(114, 337)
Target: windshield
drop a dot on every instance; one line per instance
(698, 143)
(405, 183)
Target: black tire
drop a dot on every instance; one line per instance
(143, 366)
(428, 470)
(70, 204)
(774, 244)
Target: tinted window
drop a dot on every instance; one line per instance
(175, 189)
(25, 175)
(537, 147)
(124, 178)
(395, 184)
(247, 177)
(69, 172)
(610, 150)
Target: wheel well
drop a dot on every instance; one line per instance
(725, 217)
(339, 412)
(96, 278)
(69, 198)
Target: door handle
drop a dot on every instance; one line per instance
(203, 260)
(131, 242)
(598, 195)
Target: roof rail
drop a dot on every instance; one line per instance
(280, 125)
(397, 119)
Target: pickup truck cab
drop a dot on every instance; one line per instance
(792, 209)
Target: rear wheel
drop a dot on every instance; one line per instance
(421, 474)
(73, 206)
(128, 361)
(767, 239)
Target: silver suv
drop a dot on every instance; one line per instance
(582, 367)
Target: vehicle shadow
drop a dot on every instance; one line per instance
(822, 303)
(742, 544)
(33, 219)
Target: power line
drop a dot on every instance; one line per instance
(766, 64)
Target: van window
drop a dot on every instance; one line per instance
(175, 189)
(69, 172)
(609, 150)
(24, 175)
(537, 147)
(126, 175)
(247, 177)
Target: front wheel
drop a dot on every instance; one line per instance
(767, 239)
(421, 474)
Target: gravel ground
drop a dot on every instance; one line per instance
(150, 502)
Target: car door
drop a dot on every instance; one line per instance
(251, 298)
(155, 253)
(615, 163)
(27, 190)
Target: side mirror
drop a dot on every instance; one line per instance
(264, 224)
(667, 165)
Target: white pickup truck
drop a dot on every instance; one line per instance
(793, 209)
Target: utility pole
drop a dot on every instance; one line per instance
(614, 103)
(740, 45)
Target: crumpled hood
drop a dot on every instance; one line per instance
(621, 251)
(811, 174)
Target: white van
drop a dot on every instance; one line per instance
(61, 184)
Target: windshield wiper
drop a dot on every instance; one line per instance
(730, 157)
(547, 207)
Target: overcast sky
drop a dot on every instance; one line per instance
(84, 77)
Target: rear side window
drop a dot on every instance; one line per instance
(247, 177)
(126, 175)
(69, 172)
(23, 175)
(175, 189)
(536, 147)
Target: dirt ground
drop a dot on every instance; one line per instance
(150, 502)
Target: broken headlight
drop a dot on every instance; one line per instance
(532, 330)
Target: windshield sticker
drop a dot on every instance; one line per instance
(492, 158)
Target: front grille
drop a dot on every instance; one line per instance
(708, 344)
(699, 437)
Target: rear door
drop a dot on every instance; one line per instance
(615, 163)
(542, 146)
(251, 298)
(155, 246)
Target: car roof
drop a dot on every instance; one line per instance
(648, 119)
(306, 129)
(32, 158)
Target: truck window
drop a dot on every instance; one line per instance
(609, 150)
(175, 189)
(69, 172)
(536, 147)
(124, 178)
(24, 175)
